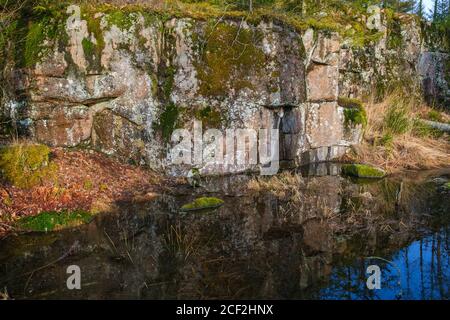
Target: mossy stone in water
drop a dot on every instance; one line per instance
(53, 221)
(362, 171)
(202, 203)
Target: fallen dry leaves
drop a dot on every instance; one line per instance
(85, 180)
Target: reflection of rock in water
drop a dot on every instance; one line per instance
(255, 246)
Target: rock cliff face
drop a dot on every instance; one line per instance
(122, 82)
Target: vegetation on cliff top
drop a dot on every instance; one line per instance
(30, 22)
(346, 17)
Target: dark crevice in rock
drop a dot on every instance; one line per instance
(280, 106)
(91, 102)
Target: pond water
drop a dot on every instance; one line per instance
(311, 240)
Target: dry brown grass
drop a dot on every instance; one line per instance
(407, 150)
(281, 185)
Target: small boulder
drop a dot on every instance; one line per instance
(202, 203)
(363, 171)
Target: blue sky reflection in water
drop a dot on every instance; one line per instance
(424, 273)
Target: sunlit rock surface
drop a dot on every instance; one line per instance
(124, 86)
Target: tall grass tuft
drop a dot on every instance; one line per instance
(396, 120)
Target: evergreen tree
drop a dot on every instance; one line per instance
(441, 10)
(436, 10)
(400, 5)
(420, 9)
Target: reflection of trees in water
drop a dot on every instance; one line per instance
(425, 274)
(349, 282)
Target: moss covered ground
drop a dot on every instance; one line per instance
(53, 221)
(25, 165)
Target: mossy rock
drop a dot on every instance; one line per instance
(447, 186)
(362, 171)
(54, 221)
(209, 117)
(228, 55)
(26, 165)
(202, 204)
(354, 111)
(122, 19)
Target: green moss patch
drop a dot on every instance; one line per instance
(227, 56)
(26, 165)
(354, 111)
(122, 19)
(92, 52)
(362, 171)
(203, 203)
(38, 27)
(94, 45)
(168, 121)
(53, 221)
(209, 117)
(88, 47)
(35, 47)
(394, 38)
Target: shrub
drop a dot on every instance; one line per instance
(26, 165)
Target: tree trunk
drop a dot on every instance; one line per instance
(438, 125)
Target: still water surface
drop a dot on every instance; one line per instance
(258, 245)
